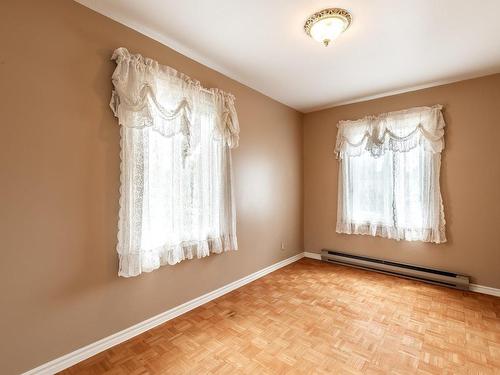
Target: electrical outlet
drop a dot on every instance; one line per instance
(283, 246)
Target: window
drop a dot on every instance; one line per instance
(176, 194)
(389, 175)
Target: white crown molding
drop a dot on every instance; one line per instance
(103, 9)
(100, 7)
(403, 90)
(90, 350)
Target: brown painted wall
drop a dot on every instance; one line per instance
(59, 174)
(59, 288)
(470, 181)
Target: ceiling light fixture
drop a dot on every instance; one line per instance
(326, 25)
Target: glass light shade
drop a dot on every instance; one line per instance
(326, 25)
(328, 29)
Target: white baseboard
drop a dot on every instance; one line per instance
(317, 256)
(484, 289)
(90, 350)
(472, 287)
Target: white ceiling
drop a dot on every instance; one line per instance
(392, 45)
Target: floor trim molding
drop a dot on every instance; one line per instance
(90, 350)
(484, 290)
(472, 287)
(316, 256)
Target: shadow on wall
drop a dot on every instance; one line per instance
(445, 191)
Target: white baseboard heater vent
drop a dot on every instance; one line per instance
(408, 271)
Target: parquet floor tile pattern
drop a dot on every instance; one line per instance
(317, 318)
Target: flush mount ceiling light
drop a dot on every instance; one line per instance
(326, 25)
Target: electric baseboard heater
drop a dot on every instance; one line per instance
(408, 271)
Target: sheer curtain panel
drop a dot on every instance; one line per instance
(176, 193)
(389, 175)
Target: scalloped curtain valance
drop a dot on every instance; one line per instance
(176, 194)
(395, 131)
(389, 175)
(147, 94)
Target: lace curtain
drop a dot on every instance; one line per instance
(389, 175)
(176, 193)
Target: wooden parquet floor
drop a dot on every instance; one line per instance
(316, 318)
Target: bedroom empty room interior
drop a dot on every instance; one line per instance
(250, 187)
